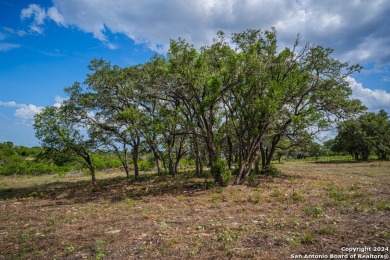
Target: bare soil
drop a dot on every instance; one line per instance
(310, 208)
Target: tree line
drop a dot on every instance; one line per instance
(22, 160)
(230, 105)
(362, 136)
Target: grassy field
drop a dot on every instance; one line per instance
(310, 208)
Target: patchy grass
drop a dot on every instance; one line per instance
(307, 208)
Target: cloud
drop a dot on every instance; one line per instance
(359, 30)
(23, 111)
(27, 112)
(4, 46)
(39, 15)
(58, 101)
(53, 14)
(374, 100)
(9, 30)
(8, 104)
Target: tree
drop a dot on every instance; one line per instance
(61, 136)
(239, 97)
(107, 104)
(283, 93)
(363, 135)
(377, 127)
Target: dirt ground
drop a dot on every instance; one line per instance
(312, 210)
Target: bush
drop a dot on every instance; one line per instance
(98, 162)
(144, 165)
(271, 170)
(28, 168)
(221, 175)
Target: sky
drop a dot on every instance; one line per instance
(46, 45)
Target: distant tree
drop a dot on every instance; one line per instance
(364, 135)
(352, 139)
(61, 136)
(377, 127)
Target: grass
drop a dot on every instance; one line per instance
(309, 207)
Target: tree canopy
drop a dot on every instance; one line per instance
(369, 133)
(236, 100)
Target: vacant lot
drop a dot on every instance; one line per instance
(311, 208)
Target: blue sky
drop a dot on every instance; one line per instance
(46, 46)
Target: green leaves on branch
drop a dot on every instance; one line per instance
(181, 104)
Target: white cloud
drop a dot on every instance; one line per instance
(357, 30)
(23, 111)
(12, 31)
(37, 13)
(8, 104)
(4, 46)
(58, 101)
(53, 14)
(27, 112)
(374, 99)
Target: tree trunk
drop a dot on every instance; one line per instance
(198, 158)
(157, 160)
(263, 152)
(230, 152)
(271, 153)
(92, 169)
(257, 166)
(126, 167)
(171, 167)
(88, 159)
(135, 160)
(211, 150)
(177, 164)
(244, 171)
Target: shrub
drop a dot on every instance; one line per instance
(296, 197)
(271, 170)
(314, 212)
(144, 165)
(307, 238)
(220, 173)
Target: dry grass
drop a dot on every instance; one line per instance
(313, 208)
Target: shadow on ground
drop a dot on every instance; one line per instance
(113, 189)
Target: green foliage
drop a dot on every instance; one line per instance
(220, 173)
(22, 160)
(296, 197)
(70, 249)
(251, 179)
(202, 103)
(307, 238)
(19, 160)
(255, 197)
(145, 165)
(271, 170)
(227, 237)
(105, 161)
(130, 202)
(99, 248)
(337, 194)
(314, 212)
(364, 135)
(382, 205)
